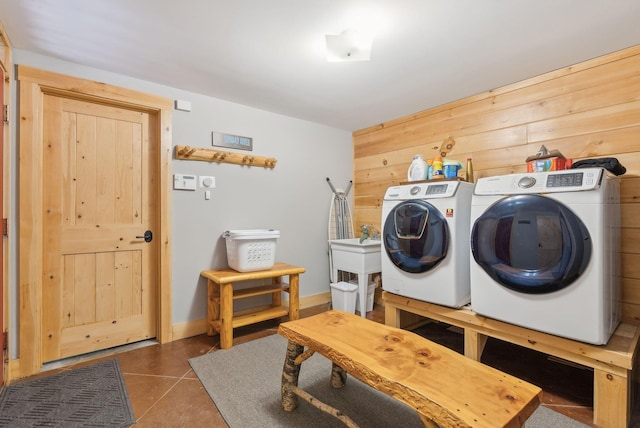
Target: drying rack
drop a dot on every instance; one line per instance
(340, 224)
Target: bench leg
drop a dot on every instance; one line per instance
(213, 307)
(294, 296)
(226, 316)
(391, 315)
(611, 399)
(474, 344)
(338, 376)
(290, 373)
(276, 298)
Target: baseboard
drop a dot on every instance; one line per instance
(12, 371)
(196, 327)
(315, 300)
(189, 329)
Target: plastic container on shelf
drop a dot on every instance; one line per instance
(438, 170)
(418, 169)
(429, 168)
(451, 168)
(252, 249)
(469, 171)
(343, 296)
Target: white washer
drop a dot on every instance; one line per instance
(545, 252)
(425, 241)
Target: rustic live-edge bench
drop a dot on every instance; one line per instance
(612, 363)
(445, 388)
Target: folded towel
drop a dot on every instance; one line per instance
(610, 164)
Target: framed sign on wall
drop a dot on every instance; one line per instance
(231, 141)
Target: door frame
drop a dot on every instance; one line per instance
(6, 65)
(3, 141)
(33, 85)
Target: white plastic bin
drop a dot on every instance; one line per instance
(252, 249)
(343, 296)
(371, 291)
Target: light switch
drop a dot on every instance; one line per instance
(184, 182)
(207, 182)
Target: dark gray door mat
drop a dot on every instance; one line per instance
(89, 396)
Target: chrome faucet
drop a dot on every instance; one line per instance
(369, 231)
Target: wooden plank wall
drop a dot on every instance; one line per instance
(588, 110)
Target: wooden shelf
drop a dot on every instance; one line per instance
(254, 315)
(259, 316)
(612, 363)
(259, 291)
(219, 156)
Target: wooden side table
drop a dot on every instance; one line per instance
(220, 315)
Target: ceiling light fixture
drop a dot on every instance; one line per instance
(351, 45)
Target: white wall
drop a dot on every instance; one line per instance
(293, 197)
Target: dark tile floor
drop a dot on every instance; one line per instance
(164, 391)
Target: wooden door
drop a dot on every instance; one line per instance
(2, 290)
(99, 273)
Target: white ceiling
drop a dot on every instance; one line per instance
(270, 54)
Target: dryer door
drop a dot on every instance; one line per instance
(531, 244)
(415, 236)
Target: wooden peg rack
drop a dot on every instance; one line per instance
(212, 155)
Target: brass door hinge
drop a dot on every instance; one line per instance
(5, 113)
(5, 340)
(5, 227)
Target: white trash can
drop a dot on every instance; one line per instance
(343, 296)
(371, 291)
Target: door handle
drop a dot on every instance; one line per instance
(148, 236)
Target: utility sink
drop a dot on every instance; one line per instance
(349, 255)
(353, 245)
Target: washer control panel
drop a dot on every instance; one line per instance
(445, 189)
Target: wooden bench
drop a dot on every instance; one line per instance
(612, 363)
(220, 315)
(444, 387)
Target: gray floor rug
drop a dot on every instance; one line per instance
(244, 384)
(90, 396)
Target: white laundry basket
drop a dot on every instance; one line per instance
(252, 249)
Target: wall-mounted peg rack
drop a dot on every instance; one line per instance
(212, 155)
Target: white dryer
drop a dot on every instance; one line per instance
(425, 240)
(545, 250)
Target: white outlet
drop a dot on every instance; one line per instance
(207, 182)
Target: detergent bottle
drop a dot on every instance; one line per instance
(417, 169)
(438, 171)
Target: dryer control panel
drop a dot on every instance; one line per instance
(573, 180)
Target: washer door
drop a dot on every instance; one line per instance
(415, 236)
(531, 244)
